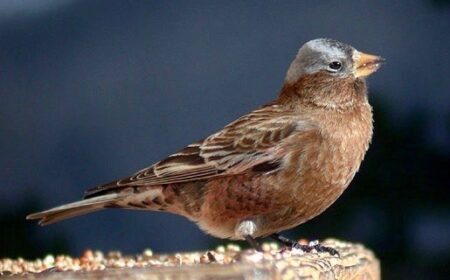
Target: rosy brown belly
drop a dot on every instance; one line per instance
(271, 202)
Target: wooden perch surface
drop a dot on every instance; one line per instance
(354, 262)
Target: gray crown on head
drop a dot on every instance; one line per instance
(315, 55)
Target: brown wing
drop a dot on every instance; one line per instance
(251, 140)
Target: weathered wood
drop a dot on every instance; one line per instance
(354, 262)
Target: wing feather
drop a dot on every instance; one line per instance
(251, 140)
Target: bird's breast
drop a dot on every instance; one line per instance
(321, 170)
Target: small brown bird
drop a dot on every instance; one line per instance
(270, 170)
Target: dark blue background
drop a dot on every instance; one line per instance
(95, 90)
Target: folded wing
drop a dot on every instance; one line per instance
(251, 140)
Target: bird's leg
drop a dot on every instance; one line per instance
(307, 248)
(252, 241)
(246, 229)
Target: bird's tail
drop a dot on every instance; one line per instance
(74, 209)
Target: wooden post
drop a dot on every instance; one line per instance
(354, 262)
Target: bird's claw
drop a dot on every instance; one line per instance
(315, 245)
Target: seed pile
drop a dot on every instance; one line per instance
(96, 260)
(230, 261)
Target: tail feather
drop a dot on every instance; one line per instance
(74, 209)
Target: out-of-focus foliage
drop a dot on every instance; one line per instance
(441, 3)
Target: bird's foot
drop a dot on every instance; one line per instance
(315, 245)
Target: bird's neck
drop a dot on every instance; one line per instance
(325, 91)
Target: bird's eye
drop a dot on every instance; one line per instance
(335, 65)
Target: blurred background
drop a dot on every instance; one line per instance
(94, 90)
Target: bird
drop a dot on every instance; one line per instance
(270, 170)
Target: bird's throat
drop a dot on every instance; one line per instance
(325, 91)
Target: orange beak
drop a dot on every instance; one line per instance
(365, 64)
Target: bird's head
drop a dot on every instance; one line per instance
(330, 74)
(332, 58)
